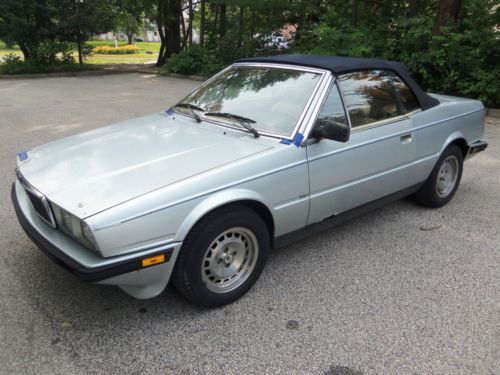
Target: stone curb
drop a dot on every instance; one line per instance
(192, 77)
(87, 73)
(84, 73)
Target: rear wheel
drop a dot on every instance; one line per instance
(443, 182)
(222, 256)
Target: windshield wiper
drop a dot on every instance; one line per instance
(243, 121)
(190, 107)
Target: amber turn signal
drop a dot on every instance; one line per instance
(146, 262)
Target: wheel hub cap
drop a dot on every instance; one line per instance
(447, 176)
(229, 260)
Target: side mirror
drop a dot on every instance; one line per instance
(330, 129)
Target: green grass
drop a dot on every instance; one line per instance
(4, 50)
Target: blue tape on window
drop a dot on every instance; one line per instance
(170, 111)
(286, 142)
(299, 137)
(23, 155)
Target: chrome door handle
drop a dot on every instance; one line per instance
(405, 138)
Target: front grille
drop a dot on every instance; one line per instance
(38, 200)
(38, 206)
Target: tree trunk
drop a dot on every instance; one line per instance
(130, 38)
(161, 33)
(25, 51)
(202, 23)
(416, 7)
(223, 19)
(448, 10)
(315, 12)
(184, 33)
(354, 13)
(173, 14)
(190, 27)
(79, 46)
(252, 24)
(213, 31)
(169, 29)
(242, 25)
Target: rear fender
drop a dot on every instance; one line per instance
(457, 134)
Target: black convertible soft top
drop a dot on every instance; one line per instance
(339, 65)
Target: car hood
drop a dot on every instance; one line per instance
(93, 171)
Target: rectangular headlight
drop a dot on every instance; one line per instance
(74, 227)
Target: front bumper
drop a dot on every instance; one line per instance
(126, 271)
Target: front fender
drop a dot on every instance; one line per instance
(217, 200)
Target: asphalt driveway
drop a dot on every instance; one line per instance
(403, 290)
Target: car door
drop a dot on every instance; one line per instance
(377, 160)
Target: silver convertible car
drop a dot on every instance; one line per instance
(268, 150)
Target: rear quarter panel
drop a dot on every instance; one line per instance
(435, 128)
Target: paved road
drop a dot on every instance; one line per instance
(403, 290)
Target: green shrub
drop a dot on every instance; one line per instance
(11, 64)
(12, 59)
(52, 53)
(234, 46)
(196, 60)
(461, 61)
(334, 36)
(215, 55)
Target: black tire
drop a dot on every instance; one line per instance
(429, 194)
(192, 259)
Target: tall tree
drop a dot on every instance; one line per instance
(129, 25)
(28, 23)
(130, 16)
(80, 19)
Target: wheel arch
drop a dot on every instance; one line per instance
(243, 197)
(457, 138)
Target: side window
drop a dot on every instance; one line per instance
(332, 108)
(375, 95)
(406, 97)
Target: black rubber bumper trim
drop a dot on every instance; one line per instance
(477, 147)
(86, 273)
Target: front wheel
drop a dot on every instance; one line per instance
(222, 256)
(444, 179)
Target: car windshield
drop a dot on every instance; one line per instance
(271, 99)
